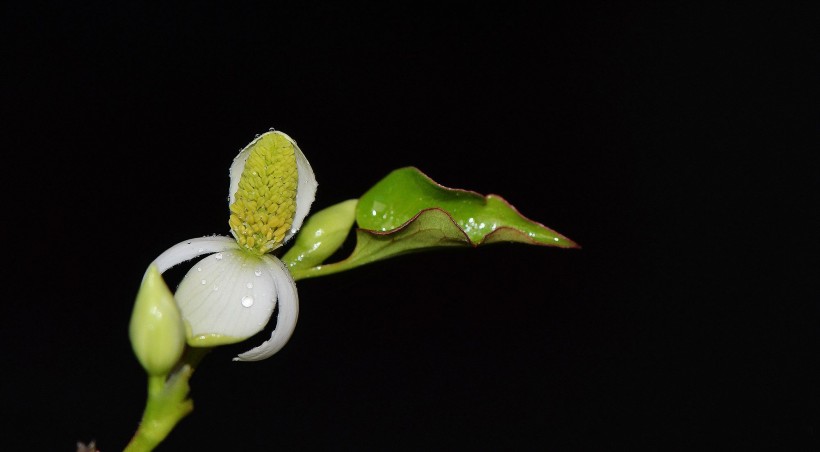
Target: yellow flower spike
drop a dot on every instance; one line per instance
(266, 194)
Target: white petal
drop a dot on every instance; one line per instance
(190, 249)
(226, 297)
(305, 190)
(288, 312)
(237, 166)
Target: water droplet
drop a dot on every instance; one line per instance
(258, 273)
(216, 287)
(247, 301)
(555, 238)
(200, 250)
(218, 256)
(204, 282)
(249, 285)
(199, 269)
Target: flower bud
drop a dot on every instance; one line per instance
(322, 235)
(157, 331)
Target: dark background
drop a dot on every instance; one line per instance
(663, 139)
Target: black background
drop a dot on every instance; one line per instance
(660, 138)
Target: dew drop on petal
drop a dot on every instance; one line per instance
(199, 269)
(249, 285)
(247, 301)
(258, 273)
(218, 256)
(204, 282)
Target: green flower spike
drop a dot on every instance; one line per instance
(231, 294)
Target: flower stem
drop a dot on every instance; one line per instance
(167, 403)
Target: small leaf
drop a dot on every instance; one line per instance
(407, 211)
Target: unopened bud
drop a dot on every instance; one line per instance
(322, 235)
(157, 331)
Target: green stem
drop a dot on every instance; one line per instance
(167, 403)
(321, 270)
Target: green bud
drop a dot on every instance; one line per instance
(321, 235)
(157, 331)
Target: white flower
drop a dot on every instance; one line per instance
(231, 294)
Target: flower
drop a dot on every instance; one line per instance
(231, 294)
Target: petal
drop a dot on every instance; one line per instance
(226, 297)
(237, 166)
(288, 312)
(305, 190)
(190, 249)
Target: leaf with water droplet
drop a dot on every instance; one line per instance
(407, 212)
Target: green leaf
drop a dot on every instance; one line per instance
(407, 211)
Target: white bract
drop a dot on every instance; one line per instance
(231, 294)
